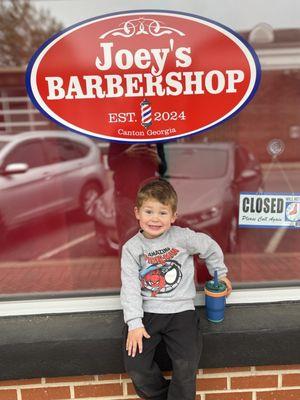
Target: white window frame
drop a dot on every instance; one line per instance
(112, 302)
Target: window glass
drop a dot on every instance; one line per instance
(30, 153)
(70, 150)
(191, 162)
(59, 150)
(80, 150)
(52, 150)
(63, 235)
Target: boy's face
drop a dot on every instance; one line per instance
(154, 217)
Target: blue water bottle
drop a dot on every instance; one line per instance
(215, 299)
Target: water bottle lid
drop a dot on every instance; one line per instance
(212, 288)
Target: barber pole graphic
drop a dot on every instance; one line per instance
(146, 113)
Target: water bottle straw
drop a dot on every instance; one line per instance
(216, 282)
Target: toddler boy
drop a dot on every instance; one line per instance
(158, 292)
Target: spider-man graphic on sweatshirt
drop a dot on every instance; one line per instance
(161, 277)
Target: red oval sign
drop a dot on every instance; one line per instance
(143, 76)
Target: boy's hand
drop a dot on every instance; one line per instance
(135, 340)
(228, 284)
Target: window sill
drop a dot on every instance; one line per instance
(90, 343)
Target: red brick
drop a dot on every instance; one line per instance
(80, 378)
(53, 393)
(247, 382)
(130, 388)
(279, 395)
(19, 382)
(108, 389)
(165, 374)
(8, 395)
(225, 370)
(211, 384)
(291, 380)
(277, 367)
(107, 377)
(229, 396)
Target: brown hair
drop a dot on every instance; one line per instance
(157, 189)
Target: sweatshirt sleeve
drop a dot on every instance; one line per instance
(131, 297)
(208, 249)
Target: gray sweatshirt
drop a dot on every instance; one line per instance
(158, 274)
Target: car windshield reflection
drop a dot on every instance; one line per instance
(196, 163)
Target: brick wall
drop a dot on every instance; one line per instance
(246, 383)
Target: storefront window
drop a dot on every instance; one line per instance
(66, 200)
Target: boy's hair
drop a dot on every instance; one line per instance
(157, 189)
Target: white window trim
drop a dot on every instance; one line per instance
(112, 302)
(279, 58)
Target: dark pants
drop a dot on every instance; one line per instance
(180, 332)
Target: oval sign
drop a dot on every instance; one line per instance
(143, 76)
